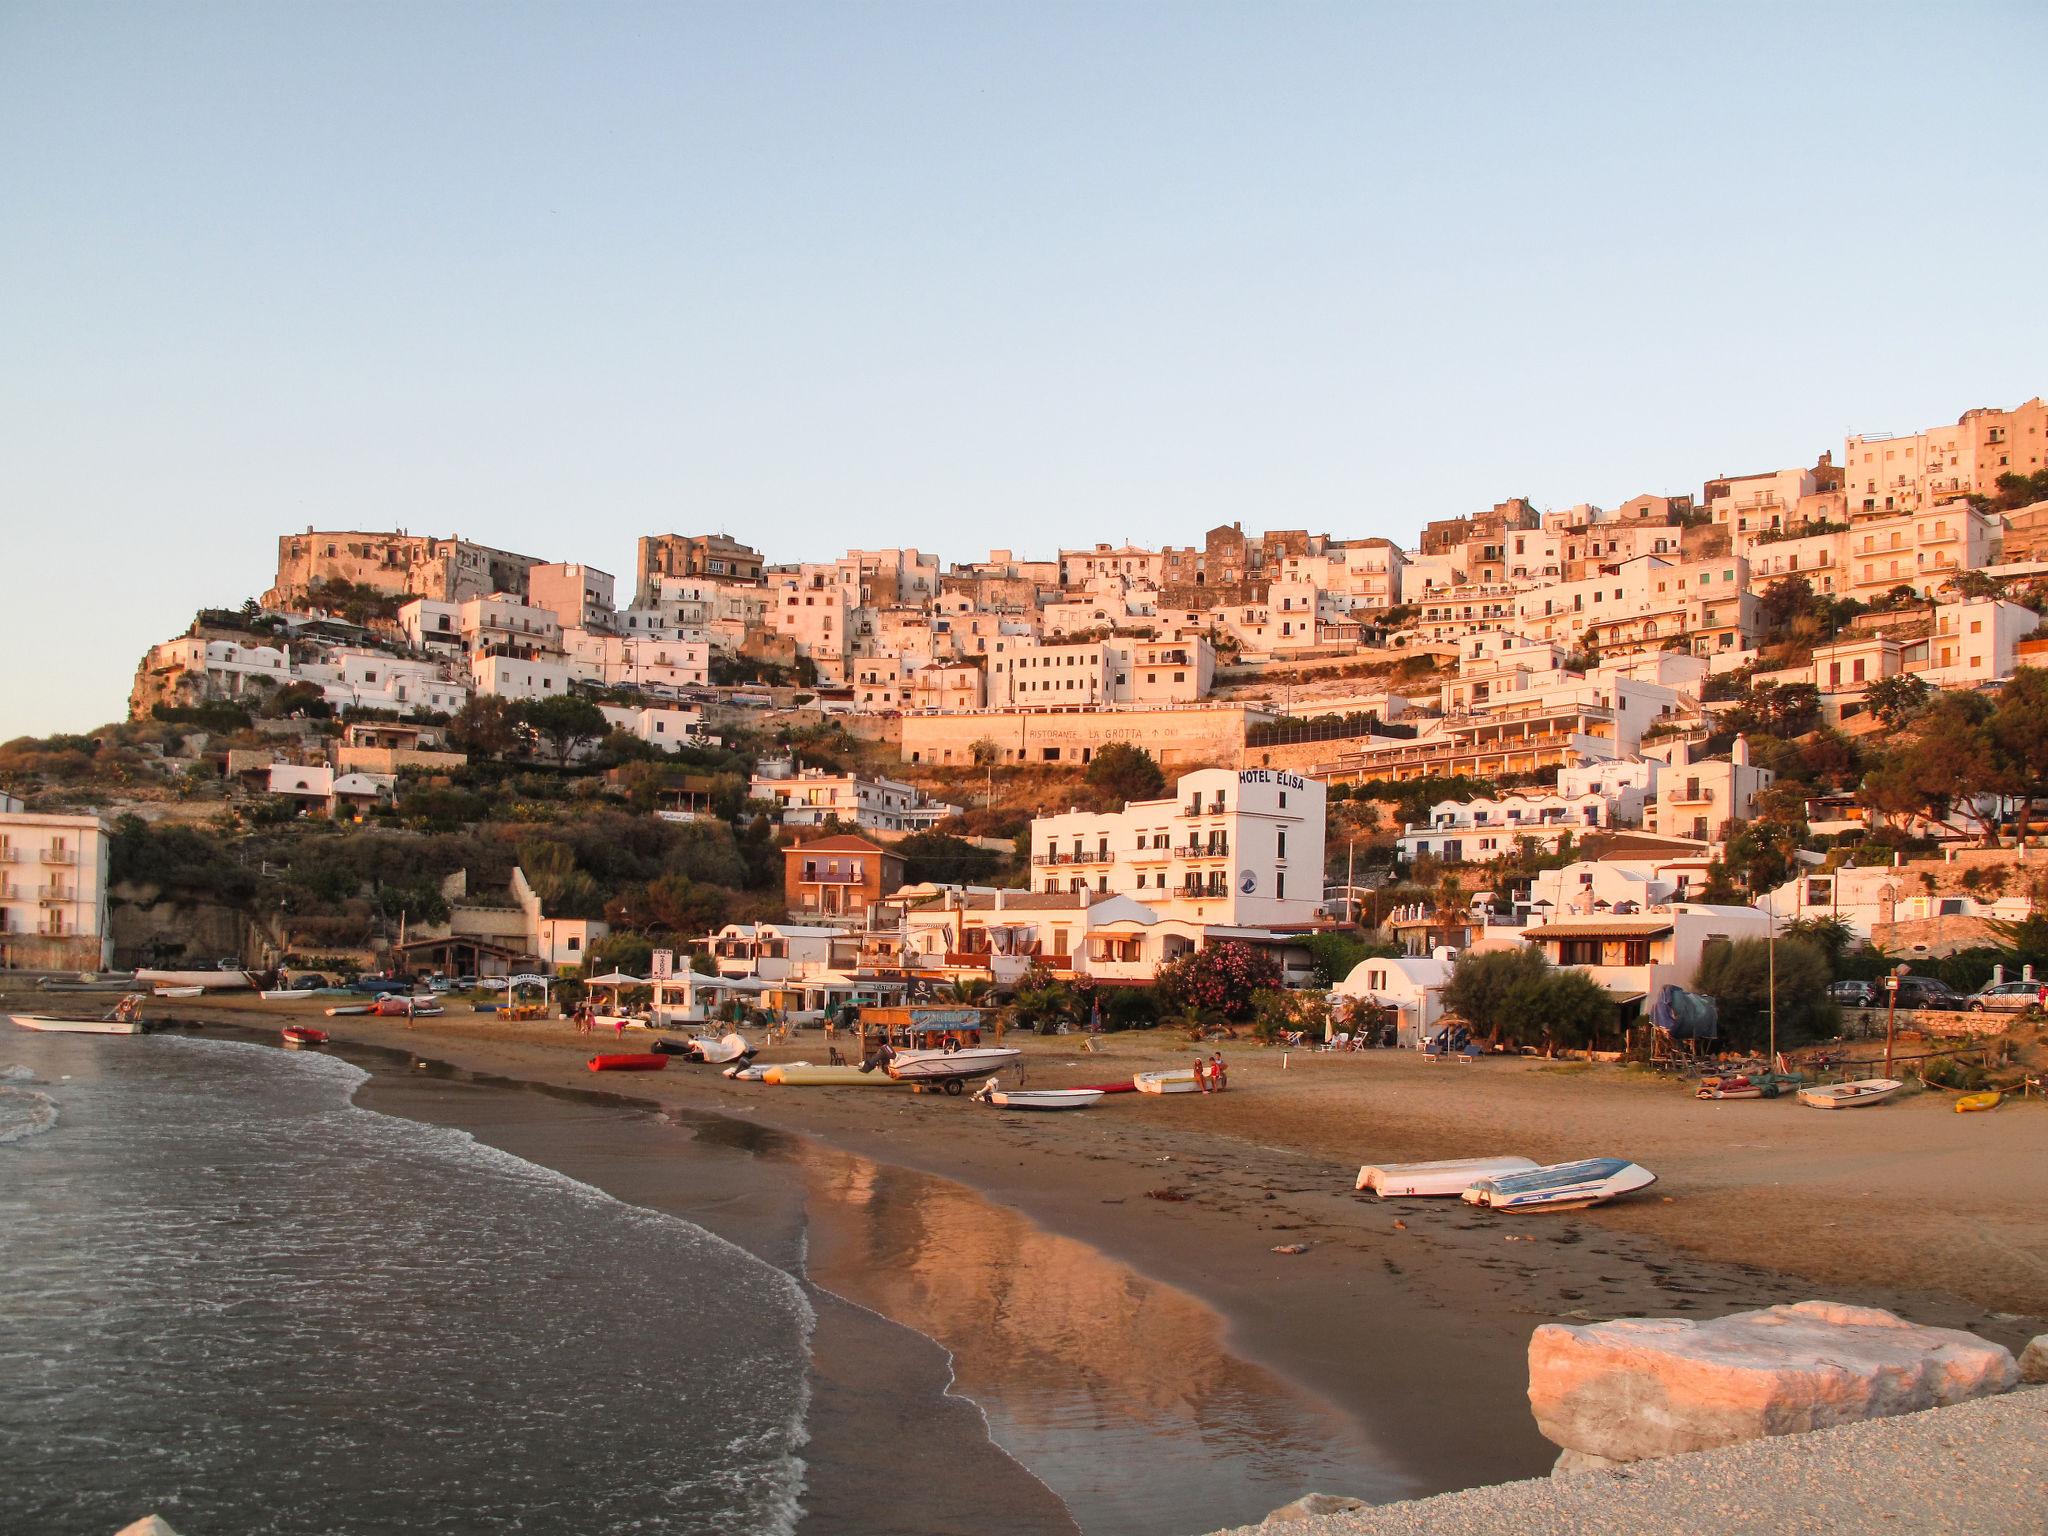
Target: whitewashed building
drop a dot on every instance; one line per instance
(53, 890)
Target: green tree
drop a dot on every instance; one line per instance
(1898, 698)
(1334, 953)
(1736, 974)
(1482, 988)
(486, 726)
(565, 722)
(1954, 761)
(946, 860)
(1830, 935)
(1119, 771)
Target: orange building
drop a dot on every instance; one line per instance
(837, 876)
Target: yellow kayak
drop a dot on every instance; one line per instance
(1975, 1101)
(803, 1075)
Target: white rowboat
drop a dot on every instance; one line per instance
(1039, 1098)
(1453, 1176)
(162, 991)
(1871, 1090)
(55, 1026)
(1561, 1186)
(1181, 1080)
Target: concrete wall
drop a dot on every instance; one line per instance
(1178, 738)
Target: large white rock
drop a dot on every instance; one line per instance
(1641, 1387)
(1310, 1506)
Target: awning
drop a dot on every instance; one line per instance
(1598, 931)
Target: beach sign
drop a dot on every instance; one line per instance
(664, 964)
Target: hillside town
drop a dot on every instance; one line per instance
(1802, 700)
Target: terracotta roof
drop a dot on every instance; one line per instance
(840, 844)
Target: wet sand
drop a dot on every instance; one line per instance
(1410, 1319)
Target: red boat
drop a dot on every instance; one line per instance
(303, 1034)
(1125, 1086)
(629, 1061)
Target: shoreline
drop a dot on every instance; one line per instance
(1410, 1318)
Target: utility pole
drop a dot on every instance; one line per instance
(1891, 1011)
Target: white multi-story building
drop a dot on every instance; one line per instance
(1977, 641)
(1703, 800)
(53, 891)
(1921, 550)
(1049, 672)
(811, 797)
(1239, 847)
(360, 679)
(223, 668)
(1486, 828)
(520, 678)
(639, 661)
(505, 626)
(1943, 464)
(669, 729)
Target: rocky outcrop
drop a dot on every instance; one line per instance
(2034, 1360)
(1642, 1387)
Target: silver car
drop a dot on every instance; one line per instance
(2006, 997)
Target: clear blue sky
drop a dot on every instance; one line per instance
(958, 276)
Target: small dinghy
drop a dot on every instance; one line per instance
(1036, 1098)
(1123, 1085)
(350, 1010)
(732, 1047)
(1181, 1080)
(1453, 1176)
(180, 991)
(629, 1061)
(1975, 1103)
(1561, 1186)
(198, 981)
(1870, 1090)
(304, 1034)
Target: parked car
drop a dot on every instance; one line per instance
(1857, 994)
(2005, 997)
(1931, 993)
(490, 984)
(377, 986)
(465, 983)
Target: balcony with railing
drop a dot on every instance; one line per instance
(812, 876)
(1150, 853)
(1693, 794)
(59, 856)
(1214, 850)
(55, 892)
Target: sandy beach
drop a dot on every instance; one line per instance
(1409, 1319)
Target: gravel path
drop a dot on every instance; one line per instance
(1979, 1467)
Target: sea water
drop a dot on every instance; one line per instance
(229, 1296)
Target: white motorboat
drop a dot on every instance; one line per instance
(1561, 1186)
(205, 981)
(950, 1067)
(1869, 1090)
(1181, 1080)
(1452, 1176)
(50, 1025)
(1037, 1098)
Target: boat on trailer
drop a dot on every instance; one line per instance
(949, 1069)
(1561, 1186)
(1451, 1176)
(1036, 1098)
(1869, 1090)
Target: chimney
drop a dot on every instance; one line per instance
(1739, 753)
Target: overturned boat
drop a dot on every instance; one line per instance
(1451, 1176)
(1561, 1186)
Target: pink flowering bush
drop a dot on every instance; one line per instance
(1219, 980)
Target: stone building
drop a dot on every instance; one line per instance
(450, 570)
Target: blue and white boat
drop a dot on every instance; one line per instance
(1561, 1186)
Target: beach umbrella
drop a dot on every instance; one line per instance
(616, 979)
